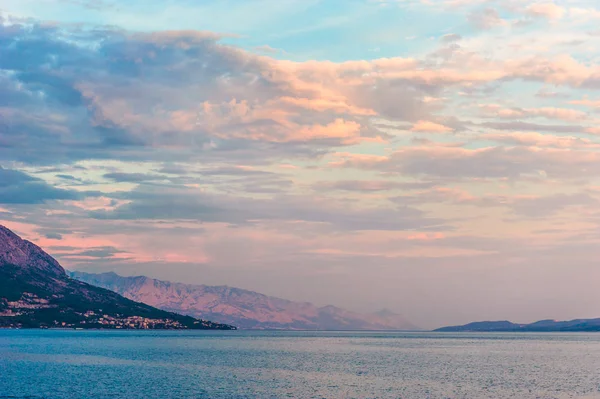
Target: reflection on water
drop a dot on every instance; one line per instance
(238, 364)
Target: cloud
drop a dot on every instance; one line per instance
(528, 126)
(592, 130)
(20, 188)
(53, 236)
(547, 93)
(370, 185)
(268, 49)
(489, 162)
(91, 253)
(587, 103)
(546, 206)
(177, 203)
(239, 120)
(545, 10)
(450, 38)
(50, 110)
(430, 127)
(184, 95)
(584, 13)
(485, 18)
(521, 113)
(534, 206)
(122, 177)
(530, 206)
(206, 102)
(559, 70)
(535, 139)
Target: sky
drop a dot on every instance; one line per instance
(438, 158)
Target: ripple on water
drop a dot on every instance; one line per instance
(226, 365)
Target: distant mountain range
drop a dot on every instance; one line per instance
(580, 325)
(242, 308)
(35, 292)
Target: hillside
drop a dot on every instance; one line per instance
(578, 325)
(35, 292)
(243, 308)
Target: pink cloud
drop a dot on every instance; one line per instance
(430, 127)
(323, 104)
(347, 131)
(587, 102)
(541, 140)
(545, 10)
(426, 237)
(560, 70)
(317, 101)
(593, 130)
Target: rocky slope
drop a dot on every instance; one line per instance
(36, 292)
(245, 309)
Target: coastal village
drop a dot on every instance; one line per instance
(91, 319)
(105, 321)
(134, 322)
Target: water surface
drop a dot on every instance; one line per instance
(242, 364)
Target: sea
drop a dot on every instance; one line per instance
(304, 365)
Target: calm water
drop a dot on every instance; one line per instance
(237, 364)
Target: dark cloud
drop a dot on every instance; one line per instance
(229, 179)
(98, 253)
(176, 203)
(534, 127)
(173, 169)
(20, 188)
(122, 177)
(168, 202)
(67, 177)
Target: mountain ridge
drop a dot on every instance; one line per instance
(14, 250)
(36, 292)
(244, 308)
(576, 325)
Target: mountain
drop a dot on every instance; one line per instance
(245, 309)
(35, 292)
(581, 325)
(482, 326)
